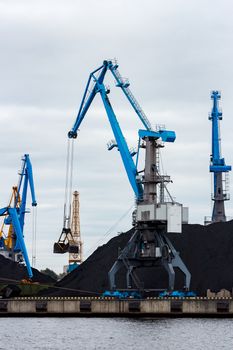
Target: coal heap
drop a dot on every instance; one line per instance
(11, 272)
(206, 251)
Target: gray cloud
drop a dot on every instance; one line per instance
(173, 52)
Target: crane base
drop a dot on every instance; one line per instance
(148, 247)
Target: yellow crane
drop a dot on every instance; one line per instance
(9, 237)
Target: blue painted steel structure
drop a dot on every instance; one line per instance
(121, 144)
(149, 245)
(15, 213)
(217, 163)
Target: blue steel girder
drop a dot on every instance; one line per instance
(125, 88)
(128, 162)
(20, 239)
(164, 135)
(14, 219)
(27, 174)
(217, 162)
(87, 99)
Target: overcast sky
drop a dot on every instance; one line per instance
(174, 52)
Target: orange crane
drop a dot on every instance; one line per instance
(70, 240)
(75, 258)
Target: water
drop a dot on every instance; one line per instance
(118, 333)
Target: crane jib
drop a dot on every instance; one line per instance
(97, 78)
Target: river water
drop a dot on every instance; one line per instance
(115, 333)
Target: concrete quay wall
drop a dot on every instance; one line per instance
(153, 307)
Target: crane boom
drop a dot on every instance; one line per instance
(87, 99)
(121, 144)
(99, 87)
(124, 85)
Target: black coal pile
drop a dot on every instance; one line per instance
(206, 250)
(11, 272)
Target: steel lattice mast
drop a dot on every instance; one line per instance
(75, 257)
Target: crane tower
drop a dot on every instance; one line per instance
(70, 238)
(75, 256)
(217, 164)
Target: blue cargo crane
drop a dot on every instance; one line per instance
(217, 164)
(149, 246)
(13, 245)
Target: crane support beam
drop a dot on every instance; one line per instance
(29, 178)
(164, 135)
(26, 176)
(127, 160)
(87, 99)
(19, 233)
(124, 85)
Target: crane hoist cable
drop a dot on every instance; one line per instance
(63, 243)
(111, 229)
(68, 183)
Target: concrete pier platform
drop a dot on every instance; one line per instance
(109, 307)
